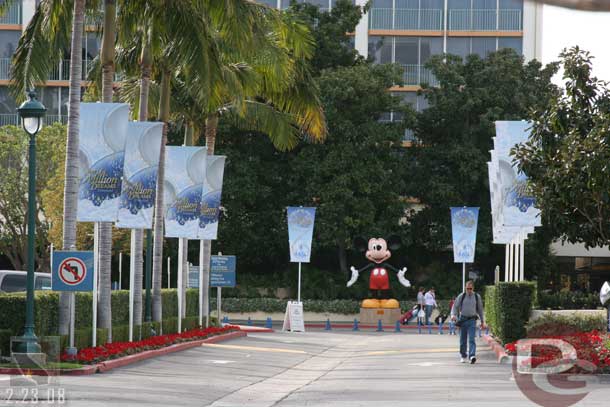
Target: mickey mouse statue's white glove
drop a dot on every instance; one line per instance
(354, 277)
(402, 279)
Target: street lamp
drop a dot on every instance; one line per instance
(31, 113)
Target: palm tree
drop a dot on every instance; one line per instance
(38, 51)
(105, 228)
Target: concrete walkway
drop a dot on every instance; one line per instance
(316, 368)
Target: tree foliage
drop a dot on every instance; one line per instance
(449, 167)
(14, 191)
(568, 154)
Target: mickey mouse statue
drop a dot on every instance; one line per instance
(379, 282)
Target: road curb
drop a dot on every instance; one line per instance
(125, 360)
(497, 348)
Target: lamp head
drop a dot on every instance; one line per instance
(31, 112)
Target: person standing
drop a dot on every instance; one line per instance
(420, 299)
(468, 307)
(430, 303)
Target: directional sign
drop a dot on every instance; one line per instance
(222, 271)
(72, 271)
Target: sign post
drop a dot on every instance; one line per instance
(300, 233)
(72, 271)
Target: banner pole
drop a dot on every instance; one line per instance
(299, 289)
(522, 260)
(132, 282)
(121, 270)
(463, 277)
(168, 271)
(506, 262)
(179, 288)
(96, 261)
(201, 288)
(218, 303)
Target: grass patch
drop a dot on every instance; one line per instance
(51, 365)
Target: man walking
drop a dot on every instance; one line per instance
(430, 301)
(468, 307)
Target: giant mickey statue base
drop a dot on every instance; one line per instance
(379, 306)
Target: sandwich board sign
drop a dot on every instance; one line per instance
(72, 271)
(293, 319)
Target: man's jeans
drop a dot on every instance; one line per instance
(429, 309)
(468, 329)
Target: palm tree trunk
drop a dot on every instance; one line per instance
(211, 128)
(158, 226)
(105, 228)
(71, 167)
(146, 68)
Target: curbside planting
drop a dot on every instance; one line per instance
(108, 365)
(497, 348)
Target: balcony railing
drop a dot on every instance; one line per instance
(61, 72)
(12, 15)
(418, 74)
(485, 20)
(12, 119)
(405, 19)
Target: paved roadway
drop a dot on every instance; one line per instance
(337, 368)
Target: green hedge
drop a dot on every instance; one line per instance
(270, 305)
(568, 300)
(508, 309)
(556, 325)
(46, 313)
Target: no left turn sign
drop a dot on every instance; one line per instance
(72, 271)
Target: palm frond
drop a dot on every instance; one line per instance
(264, 118)
(41, 45)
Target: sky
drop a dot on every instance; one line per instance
(589, 30)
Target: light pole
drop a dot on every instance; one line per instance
(31, 113)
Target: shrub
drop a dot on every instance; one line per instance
(5, 340)
(557, 325)
(490, 309)
(512, 303)
(568, 300)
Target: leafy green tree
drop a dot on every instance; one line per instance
(331, 31)
(14, 191)
(353, 178)
(567, 155)
(448, 168)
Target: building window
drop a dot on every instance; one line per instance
(515, 43)
(483, 46)
(406, 15)
(380, 49)
(8, 41)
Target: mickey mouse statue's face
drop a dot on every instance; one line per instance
(378, 250)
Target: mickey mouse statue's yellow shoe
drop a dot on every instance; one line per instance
(391, 303)
(371, 303)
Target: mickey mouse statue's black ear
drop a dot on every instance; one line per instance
(394, 242)
(361, 244)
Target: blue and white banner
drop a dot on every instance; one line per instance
(210, 201)
(103, 131)
(137, 203)
(300, 233)
(185, 173)
(517, 203)
(464, 230)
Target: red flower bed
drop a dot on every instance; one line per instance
(117, 349)
(592, 352)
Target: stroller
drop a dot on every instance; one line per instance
(407, 316)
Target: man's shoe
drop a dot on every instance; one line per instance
(462, 360)
(473, 360)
